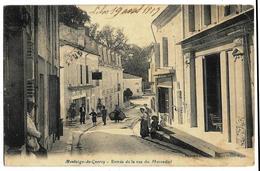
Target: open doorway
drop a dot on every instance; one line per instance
(212, 93)
(163, 100)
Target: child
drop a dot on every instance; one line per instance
(154, 126)
(94, 117)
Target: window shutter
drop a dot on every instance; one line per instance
(165, 51)
(29, 71)
(191, 18)
(157, 55)
(207, 15)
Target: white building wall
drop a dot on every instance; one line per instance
(135, 85)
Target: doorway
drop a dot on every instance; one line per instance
(163, 94)
(212, 93)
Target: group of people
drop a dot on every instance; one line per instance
(146, 126)
(93, 114)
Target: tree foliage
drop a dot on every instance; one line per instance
(73, 16)
(111, 37)
(136, 61)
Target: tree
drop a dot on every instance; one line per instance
(111, 37)
(73, 16)
(136, 61)
(127, 94)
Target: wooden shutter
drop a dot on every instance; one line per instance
(165, 51)
(191, 18)
(157, 55)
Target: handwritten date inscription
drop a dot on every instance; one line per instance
(125, 10)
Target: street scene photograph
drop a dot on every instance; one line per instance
(129, 85)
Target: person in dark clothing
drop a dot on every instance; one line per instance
(94, 117)
(104, 114)
(82, 111)
(117, 113)
(154, 126)
(72, 111)
(144, 130)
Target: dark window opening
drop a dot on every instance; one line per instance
(191, 18)
(81, 73)
(87, 81)
(207, 15)
(163, 94)
(230, 9)
(212, 93)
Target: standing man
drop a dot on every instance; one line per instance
(104, 114)
(82, 111)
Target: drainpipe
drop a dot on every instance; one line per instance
(153, 33)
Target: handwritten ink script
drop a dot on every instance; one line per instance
(124, 10)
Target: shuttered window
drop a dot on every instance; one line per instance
(230, 9)
(157, 55)
(207, 15)
(81, 74)
(191, 18)
(165, 51)
(87, 81)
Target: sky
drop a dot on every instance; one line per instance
(135, 20)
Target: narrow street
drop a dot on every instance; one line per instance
(119, 138)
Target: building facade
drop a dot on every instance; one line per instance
(134, 83)
(111, 91)
(31, 71)
(81, 56)
(214, 71)
(166, 65)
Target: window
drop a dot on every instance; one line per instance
(157, 55)
(191, 18)
(207, 15)
(230, 9)
(87, 81)
(165, 51)
(48, 23)
(81, 73)
(137, 90)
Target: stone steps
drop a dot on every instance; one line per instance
(193, 143)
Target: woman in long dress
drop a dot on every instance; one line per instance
(144, 130)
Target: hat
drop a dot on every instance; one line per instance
(154, 117)
(142, 108)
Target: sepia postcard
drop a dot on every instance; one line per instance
(129, 85)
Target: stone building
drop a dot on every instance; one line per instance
(167, 64)
(31, 71)
(134, 83)
(206, 65)
(111, 91)
(81, 57)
